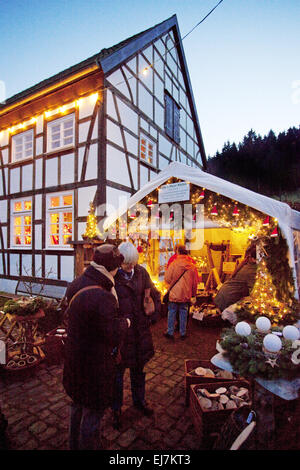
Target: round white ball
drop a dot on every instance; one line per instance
(243, 328)
(291, 332)
(272, 343)
(263, 324)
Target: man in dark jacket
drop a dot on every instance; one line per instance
(133, 284)
(94, 330)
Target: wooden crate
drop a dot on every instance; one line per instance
(209, 422)
(190, 379)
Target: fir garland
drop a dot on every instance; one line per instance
(247, 357)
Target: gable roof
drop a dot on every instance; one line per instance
(283, 212)
(108, 59)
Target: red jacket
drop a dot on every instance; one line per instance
(186, 287)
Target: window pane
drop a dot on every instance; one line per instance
(54, 240)
(18, 206)
(17, 240)
(18, 221)
(54, 228)
(54, 218)
(67, 216)
(27, 240)
(68, 124)
(68, 200)
(54, 202)
(66, 239)
(18, 230)
(27, 220)
(27, 205)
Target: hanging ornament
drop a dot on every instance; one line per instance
(194, 218)
(235, 211)
(149, 203)
(266, 222)
(171, 215)
(202, 195)
(214, 211)
(132, 215)
(274, 233)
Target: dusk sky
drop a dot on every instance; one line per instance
(243, 59)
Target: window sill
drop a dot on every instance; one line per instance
(59, 150)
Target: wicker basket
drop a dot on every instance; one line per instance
(208, 422)
(191, 379)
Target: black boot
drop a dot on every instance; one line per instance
(117, 419)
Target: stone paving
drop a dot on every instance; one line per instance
(37, 408)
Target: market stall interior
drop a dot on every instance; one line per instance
(217, 221)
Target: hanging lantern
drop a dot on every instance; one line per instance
(274, 233)
(214, 211)
(235, 211)
(266, 221)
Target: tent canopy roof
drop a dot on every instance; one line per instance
(280, 210)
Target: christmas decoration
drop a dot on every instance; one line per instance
(259, 355)
(263, 324)
(243, 328)
(24, 306)
(214, 211)
(291, 332)
(272, 343)
(91, 230)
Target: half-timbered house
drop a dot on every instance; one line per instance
(97, 131)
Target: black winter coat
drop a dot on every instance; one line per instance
(137, 347)
(94, 329)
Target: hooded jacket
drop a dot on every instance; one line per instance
(186, 287)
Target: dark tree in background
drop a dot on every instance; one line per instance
(268, 165)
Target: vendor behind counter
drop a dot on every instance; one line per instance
(241, 282)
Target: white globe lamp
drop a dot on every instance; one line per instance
(272, 343)
(242, 328)
(263, 324)
(291, 332)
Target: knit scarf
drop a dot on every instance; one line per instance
(106, 273)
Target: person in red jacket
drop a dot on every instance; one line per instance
(182, 279)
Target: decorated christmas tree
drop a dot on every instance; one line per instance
(91, 230)
(272, 295)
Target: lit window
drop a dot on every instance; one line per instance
(60, 133)
(22, 146)
(60, 220)
(147, 150)
(21, 223)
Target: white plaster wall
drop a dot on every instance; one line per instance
(85, 196)
(67, 168)
(92, 163)
(51, 172)
(38, 173)
(116, 167)
(14, 180)
(67, 268)
(27, 171)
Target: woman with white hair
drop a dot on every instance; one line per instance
(133, 284)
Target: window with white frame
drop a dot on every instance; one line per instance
(59, 220)
(22, 146)
(21, 222)
(147, 150)
(60, 133)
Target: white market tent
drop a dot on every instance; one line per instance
(288, 219)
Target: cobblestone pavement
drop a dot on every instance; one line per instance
(37, 408)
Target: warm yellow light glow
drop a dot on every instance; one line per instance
(145, 71)
(94, 97)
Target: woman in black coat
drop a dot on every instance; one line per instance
(94, 330)
(133, 283)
